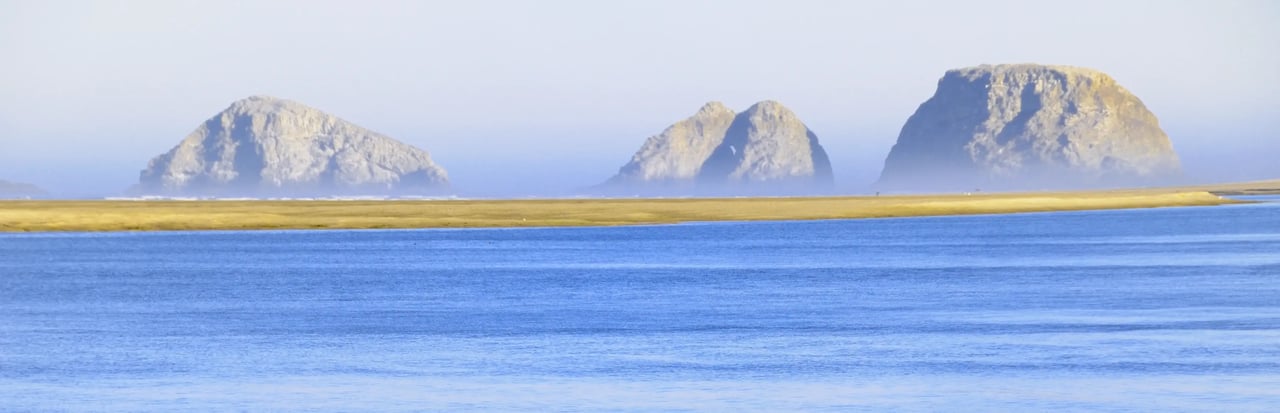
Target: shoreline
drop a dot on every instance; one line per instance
(131, 215)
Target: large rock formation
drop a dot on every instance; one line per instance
(19, 190)
(767, 144)
(264, 146)
(1029, 126)
(764, 149)
(676, 155)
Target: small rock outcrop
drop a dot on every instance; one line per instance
(12, 190)
(1029, 126)
(763, 149)
(265, 146)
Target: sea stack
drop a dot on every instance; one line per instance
(674, 157)
(1028, 126)
(765, 149)
(19, 190)
(266, 146)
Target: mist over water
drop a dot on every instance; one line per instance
(856, 169)
(95, 91)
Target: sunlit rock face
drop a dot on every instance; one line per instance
(765, 149)
(1029, 126)
(675, 156)
(264, 146)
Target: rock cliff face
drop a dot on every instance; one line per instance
(1029, 126)
(767, 144)
(676, 155)
(766, 148)
(264, 146)
(19, 190)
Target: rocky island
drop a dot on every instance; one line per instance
(1026, 126)
(765, 149)
(266, 146)
(11, 190)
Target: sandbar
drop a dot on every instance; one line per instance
(170, 215)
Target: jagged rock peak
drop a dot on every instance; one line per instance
(712, 109)
(715, 147)
(768, 143)
(1025, 71)
(772, 107)
(1029, 126)
(678, 152)
(267, 146)
(263, 103)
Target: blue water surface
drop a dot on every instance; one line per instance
(1168, 309)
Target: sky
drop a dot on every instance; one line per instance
(536, 97)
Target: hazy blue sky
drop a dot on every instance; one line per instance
(522, 96)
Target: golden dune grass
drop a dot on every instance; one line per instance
(235, 215)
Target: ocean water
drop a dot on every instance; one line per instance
(1172, 309)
